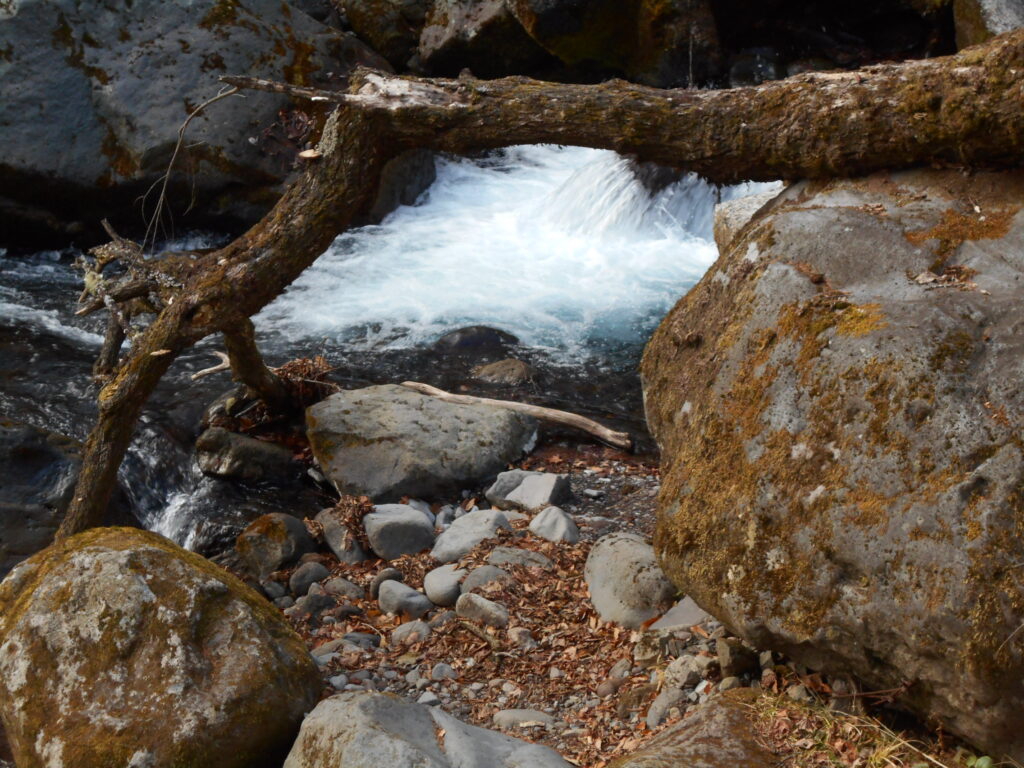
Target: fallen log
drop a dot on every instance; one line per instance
(552, 415)
(963, 110)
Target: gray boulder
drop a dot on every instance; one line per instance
(554, 524)
(273, 541)
(370, 730)
(444, 585)
(339, 538)
(230, 455)
(92, 96)
(841, 455)
(118, 647)
(665, 44)
(463, 535)
(392, 27)
(519, 489)
(479, 34)
(394, 530)
(626, 585)
(401, 599)
(386, 442)
(720, 733)
(40, 470)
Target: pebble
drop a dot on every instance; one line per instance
(344, 588)
(444, 585)
(365, 640)
(401, 599)
(521, 638)
(338, 682)
(484, 576)
(273, 589)
(521, 718)
(442, 671)
(593, 493)
(472, 606)
(729, 683)
(429, 699)
(410, 632)
(556, 525)
(305, 576)
(388, 574)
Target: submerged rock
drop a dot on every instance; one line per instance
(40, 470)
(371, 730)
(239, 457)
(386, 442)
(841, 456)
(119, 648)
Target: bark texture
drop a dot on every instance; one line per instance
(965, 109)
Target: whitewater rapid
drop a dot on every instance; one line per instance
(561, 246)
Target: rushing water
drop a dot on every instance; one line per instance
(562, 247)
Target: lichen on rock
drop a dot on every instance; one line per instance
(119, 648)
(841, 451)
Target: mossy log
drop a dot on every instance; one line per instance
(966, 109)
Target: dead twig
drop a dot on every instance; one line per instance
(601, 432)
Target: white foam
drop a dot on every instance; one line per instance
(49, 320)
(561, 246)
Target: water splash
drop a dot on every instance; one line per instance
(561, 246)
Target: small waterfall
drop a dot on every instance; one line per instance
(562, 246)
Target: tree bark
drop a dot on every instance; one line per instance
(248, 367)
(966, 109)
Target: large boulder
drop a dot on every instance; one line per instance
(392, 27)
(720, 734)
(386, 442)
(839, 410)
(479, 34)
(40, 470)
(667, 44)
(119, 648)
(92, 95)
(369, 730)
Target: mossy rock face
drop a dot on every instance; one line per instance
(118, 648)
(839, 409)
(978, 20)
(666, 43)
(720, 733)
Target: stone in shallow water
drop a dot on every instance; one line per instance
(117, 642)
(386, 442)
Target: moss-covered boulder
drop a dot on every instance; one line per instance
(978, 20)
(840, 410)
(720, 734)
(666, 43)
(118, 648)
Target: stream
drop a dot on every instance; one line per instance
(562, 247)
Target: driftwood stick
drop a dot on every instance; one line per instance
(223, 365)
(601, 432)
